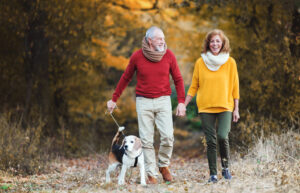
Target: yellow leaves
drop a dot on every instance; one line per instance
(66, 42)
(129, 16)
(203, 141)
(74, 33)
(183, 21)
(119, 62)
(99, 42)
(144, 4)
(93, 54)
(136, 4)
(187, 25)
(284, 179)
(181, 133)
(166, 17)
(85, 64)
(170, 12)
(108, 21)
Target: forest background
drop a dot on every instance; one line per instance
(62, 59)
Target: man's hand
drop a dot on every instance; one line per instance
(236, 115)
(180, 111)
(111, 105)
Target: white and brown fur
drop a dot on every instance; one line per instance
(131, 148)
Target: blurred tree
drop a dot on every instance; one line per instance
(49, 68)
(61, 59)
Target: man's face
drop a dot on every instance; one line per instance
(158, 41)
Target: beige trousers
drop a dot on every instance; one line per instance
(155, 112)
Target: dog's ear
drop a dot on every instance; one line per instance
(137, 144)
(122, 144)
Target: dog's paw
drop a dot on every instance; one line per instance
(121, 128)
(121, 182)
(107, 180)
(143, 184)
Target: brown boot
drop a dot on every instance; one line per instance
(165, 172)
(151, 180)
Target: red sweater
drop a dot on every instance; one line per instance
(152, 77)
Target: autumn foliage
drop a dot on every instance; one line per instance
(61, 60)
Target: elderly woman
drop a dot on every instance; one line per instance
(216, 83)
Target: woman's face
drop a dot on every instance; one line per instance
(215, 44)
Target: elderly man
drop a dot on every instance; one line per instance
(153, 64)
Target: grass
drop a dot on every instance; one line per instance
(23, 151)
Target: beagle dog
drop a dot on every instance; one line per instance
(129, 154)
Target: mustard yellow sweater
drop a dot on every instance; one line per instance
(216, 90)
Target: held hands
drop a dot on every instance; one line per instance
(180, 110)
(235, 115)
(111, 105)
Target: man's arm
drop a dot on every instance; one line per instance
(178, 81)
(122, 84)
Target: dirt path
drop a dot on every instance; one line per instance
(88, 175)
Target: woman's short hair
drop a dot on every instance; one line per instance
(225, 41)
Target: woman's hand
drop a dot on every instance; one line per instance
(236, 115)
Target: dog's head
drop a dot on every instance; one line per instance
(132, 143)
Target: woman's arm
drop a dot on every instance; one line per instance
(188, 99)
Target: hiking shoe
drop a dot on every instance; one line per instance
(166, 174)
(226, 174)
(213, 179)
(151, 180)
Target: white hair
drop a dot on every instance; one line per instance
(150, 32)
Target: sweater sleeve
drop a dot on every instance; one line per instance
(236, 90)
(178, 80)
(195, 80)
(125, 79)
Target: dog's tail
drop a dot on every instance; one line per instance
(117, 136)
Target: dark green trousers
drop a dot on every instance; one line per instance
(217, 126)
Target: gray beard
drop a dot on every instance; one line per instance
(159, 49)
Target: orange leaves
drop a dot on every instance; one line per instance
(136, 4)
(180, 133)
(99, 42)
(119, 62)
(108, 21)
(168, 14)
